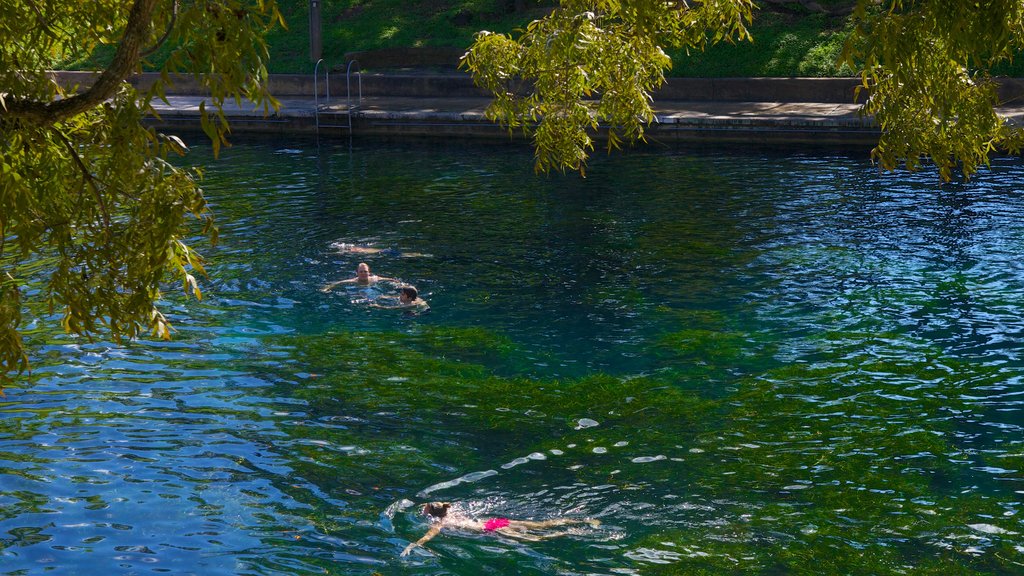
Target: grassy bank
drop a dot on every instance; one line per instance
(787, 44)
(788, 41)
(356, 25)
(784, 45)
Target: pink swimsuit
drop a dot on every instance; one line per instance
(495, 523)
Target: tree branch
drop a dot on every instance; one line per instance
(170, 27)
(43, 23)
(126, 59)
(87, 177)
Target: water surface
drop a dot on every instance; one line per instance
(745, 363)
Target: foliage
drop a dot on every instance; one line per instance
(789, 40)
(784, 45)
(594, 63)
(83, 182)
(927, 66)
(604, 49)
(353, 25)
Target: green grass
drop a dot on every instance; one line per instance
(355, 25)
(785, 44)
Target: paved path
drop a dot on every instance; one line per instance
(447, 104)
(393, 115)
(817, 123)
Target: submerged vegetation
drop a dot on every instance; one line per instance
(750, 364)
(823, 467)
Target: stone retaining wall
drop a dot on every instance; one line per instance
(460, 85)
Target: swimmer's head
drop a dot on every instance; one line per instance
(409, 293)
(436, 509)
(363, 270)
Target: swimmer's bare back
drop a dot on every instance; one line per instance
(345, 248)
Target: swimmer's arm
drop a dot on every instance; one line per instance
(328, 287)
(434, 531)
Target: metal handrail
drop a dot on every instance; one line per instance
(348, 87)
(348, 84)
(316, 90)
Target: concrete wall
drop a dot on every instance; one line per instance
(427, 56)
(455, 84)
(826, 90)
(442, 85)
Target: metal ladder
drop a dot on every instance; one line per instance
(348, 96)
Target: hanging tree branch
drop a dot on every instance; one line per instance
(167, 33)
(125, 60)
(87, 178)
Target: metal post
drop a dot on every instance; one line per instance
(315, 40)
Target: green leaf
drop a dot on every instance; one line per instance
(91, 192)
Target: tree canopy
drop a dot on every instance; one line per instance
(85, 186)
(925, 64)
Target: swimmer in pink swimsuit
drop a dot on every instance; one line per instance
(532, 530)
(495, 524)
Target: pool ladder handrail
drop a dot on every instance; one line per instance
(348, 95)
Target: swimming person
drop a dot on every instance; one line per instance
(363, 277)
(345, 248)
(442, 514)
(408, 299)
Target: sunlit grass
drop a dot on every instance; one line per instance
(785, 45)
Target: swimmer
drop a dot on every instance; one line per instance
(442, 514)
(363, 277)
(345, 248)
(408, 299)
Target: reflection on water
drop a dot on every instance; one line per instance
(739, 363)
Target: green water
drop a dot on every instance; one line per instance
(759, 363)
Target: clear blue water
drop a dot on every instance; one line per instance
(742, 363)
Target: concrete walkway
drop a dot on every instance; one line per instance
(817, 111)
(462, 116)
